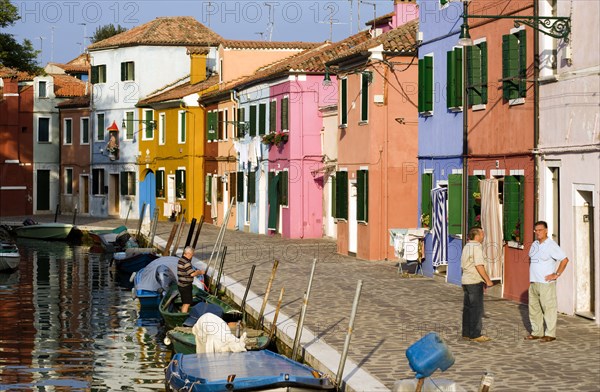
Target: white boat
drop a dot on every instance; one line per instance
(45, 231)
(9, 256)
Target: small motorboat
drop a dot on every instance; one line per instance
(134, 259)
(107, 238)
(45, 231)
(9, 256)
(242, 371)
(153, 281)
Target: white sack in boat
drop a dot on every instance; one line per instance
(213, 335)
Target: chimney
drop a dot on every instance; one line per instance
(404, 12)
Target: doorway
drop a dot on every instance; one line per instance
(43, 190)
(84, 191)
(113, 194)
(585, 303)
(148, 193)
(352, 222)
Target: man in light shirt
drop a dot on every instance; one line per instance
(544, 255)
(474, 277)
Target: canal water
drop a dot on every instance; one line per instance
(68, 322)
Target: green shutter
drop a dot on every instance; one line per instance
(522, 37)
(454, 203)
(421, 86)
(344, 98)
(94, 75)
(262, 118)
(207, 182)
(211, 128)
(458, 69)
(451, 85)
(240, 187)
(273, 116)
(182, 137)
(443, 2)
(283, 188)
(132, 76)
(285, 114)
(342, 195)
(428, 84)
(474, 202)
(251, 187)
(160, 180)
(252, 120)
(484, 72)
(364, 96)
(510, 66)
(123, 71)
(333, 197)
(273, 204)
(362, 200)
(180, 184)
(513, 204)
(426, 207)
(149, 124)
(124, 183)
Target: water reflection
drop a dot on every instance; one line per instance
(66, 323)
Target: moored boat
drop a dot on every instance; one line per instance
(107, 238)
(184, 340)
(9, 256)
(45, 231)
(151, 282)
(130, 261)
(243, 371)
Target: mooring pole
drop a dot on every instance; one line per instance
(266, 297)
(198, 231)
(220, 270)
(246, 293)
(188, 240)
(56, 213)
(340, 372)
(274, 325)
(296, 345)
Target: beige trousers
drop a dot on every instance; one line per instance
(542, 307)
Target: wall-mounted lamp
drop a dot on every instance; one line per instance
(327, 78)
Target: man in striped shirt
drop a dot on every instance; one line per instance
(185, 277)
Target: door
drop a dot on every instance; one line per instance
(43, 190)
(148, 193)
(84, 192)
(113, 194)
(584, 254)
(171, 188)
(352, 221)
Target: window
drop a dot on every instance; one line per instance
(284, 114)
(333, 196)
(128, 183)
(182, 127)
(220, 125)
(477, 74)
(68, 181)
(365, 80)
(233, 186)
(426, 85)
(513, 206)
(42, 93)
(129, 131)
(341, 195)
(148, 125)
(454, 87)
(100, 126)
(160, 183)
(43, 129)
(455, 204)
(208, 189)
(273, 201)
(252, 120)
(98, 74)
(68, 131)
(97, 181)
(162, 125)
(85, 131)
(282, 190)
(251, 187)
(426, 206)
(225, 124)
(474, 201)
(211, 128)
(242, 126)
(514, 66)
(180, 183)
(344, 100)
(240, 186)
(262, 118)
(362, 199)
(127, 71)
(272, 116)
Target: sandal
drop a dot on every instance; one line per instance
(532, 337)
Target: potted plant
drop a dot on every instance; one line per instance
(275, 138)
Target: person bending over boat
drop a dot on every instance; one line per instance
(185, 277)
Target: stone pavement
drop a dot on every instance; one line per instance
(395, 311)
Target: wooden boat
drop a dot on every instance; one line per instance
(107, 238)
(171, 303)
(9, 256)
(151, 282)
(134, 259)
(45, 231)
(246, 371)
(184, 340)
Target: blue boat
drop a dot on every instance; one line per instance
(152, 281)
(245, 371)
(132, 263)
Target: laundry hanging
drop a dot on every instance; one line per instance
(491, 223)
(439, 235)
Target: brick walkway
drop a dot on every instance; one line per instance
(395, 311)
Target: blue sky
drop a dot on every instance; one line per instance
(60, 28)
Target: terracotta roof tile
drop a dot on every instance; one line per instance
(239, 44)
(380, 19)
(6, 72)
(180, 91)
(197, 50)
(68, 86)
(77, 102)
(172, 31)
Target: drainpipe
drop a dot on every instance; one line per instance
(536, 113)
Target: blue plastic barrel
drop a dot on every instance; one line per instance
(429, 354)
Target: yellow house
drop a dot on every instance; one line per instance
(172, 139)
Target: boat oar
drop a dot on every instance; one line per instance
(274, 326)
(246, 293)
(340, 372)
(266, 297)
(296, 345)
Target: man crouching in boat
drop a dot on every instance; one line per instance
(185, 277)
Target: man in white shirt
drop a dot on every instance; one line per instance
(544, 255)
